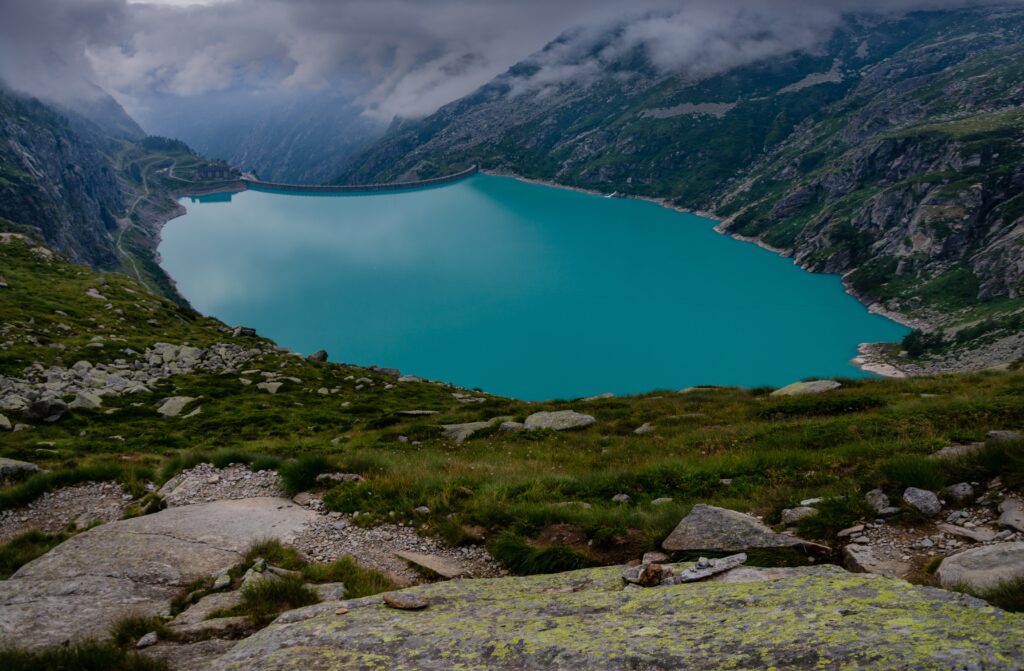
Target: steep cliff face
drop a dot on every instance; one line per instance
(56, 181)
(892, 152)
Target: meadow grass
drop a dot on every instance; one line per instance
(738, 448)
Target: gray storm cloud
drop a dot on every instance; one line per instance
(396, 57)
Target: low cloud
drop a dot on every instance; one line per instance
(396, 57)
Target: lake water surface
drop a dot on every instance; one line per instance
(519, 289)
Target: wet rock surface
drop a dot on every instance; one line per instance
(804, 618)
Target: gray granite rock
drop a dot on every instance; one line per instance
(811, 387)
(560, 420)
(923, 501)
(983, 568)
(711, 529)
(134, 566)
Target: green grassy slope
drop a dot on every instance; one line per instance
(733, 447)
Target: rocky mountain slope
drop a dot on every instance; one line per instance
(57, 182)
(302, 138)
(892, 153)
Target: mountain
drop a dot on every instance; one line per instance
(57, 182)
(890, 154)
(305, 138)
(84, 178)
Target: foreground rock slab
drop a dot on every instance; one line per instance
(134, 566)
(805, 618)
(712, 529)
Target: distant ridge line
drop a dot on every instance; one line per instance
(362, 188)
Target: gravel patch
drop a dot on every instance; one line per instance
(205, 483)
(333, 535)
(83, 505)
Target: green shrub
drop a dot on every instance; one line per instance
(127, 630)
(22, 549)
(266, 599)
(912, 470)
(814, 405)
(834, 515)
(87, 656)
(1008, 595)
(521, 558)
(274, 553)
(299, 475)
(359, 581)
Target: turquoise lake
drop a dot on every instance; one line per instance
(518, 289)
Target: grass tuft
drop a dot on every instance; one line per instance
(359, 581)
(22, 549)
(266, 599)
(299, 475)
(86, 656)
(126, 631)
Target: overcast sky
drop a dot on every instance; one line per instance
(399, 57)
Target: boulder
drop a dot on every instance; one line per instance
(512, 427)
(1004, 437)
(560, 420)
(173, 406)
(793, 515)
(957, 451)
(1012, 514)
(811, 387)
(461, 432)
(961, 492)
(330, 591)
(923, 501)
(86, 400)
(795, 618)
(243, 332)
(47, 410)
(136, 566)
(711, 529)
(12, 469)
(319, 356)
(983, 568)
(269, 387)
(5, 424)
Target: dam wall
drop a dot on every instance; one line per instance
(361, 188)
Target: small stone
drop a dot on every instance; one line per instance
(173, 406)
(422, 510)
(404, 601)
(849, 531)
(644, 429)
(878, 500)
(341, 611)
(269, 387)
(47, 410)
(622, 498)
(812, 387)
(5, 424)
(512, 427)
(664, 500)
(222, 581)
(794, 515)
(922, 500)
(319, 356)
(302, 498)
(149, 639)
(1012, 515)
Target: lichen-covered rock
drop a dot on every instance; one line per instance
(711, 529)
(802, 618)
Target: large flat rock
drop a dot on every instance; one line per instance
(136, 565)
(803, 618)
